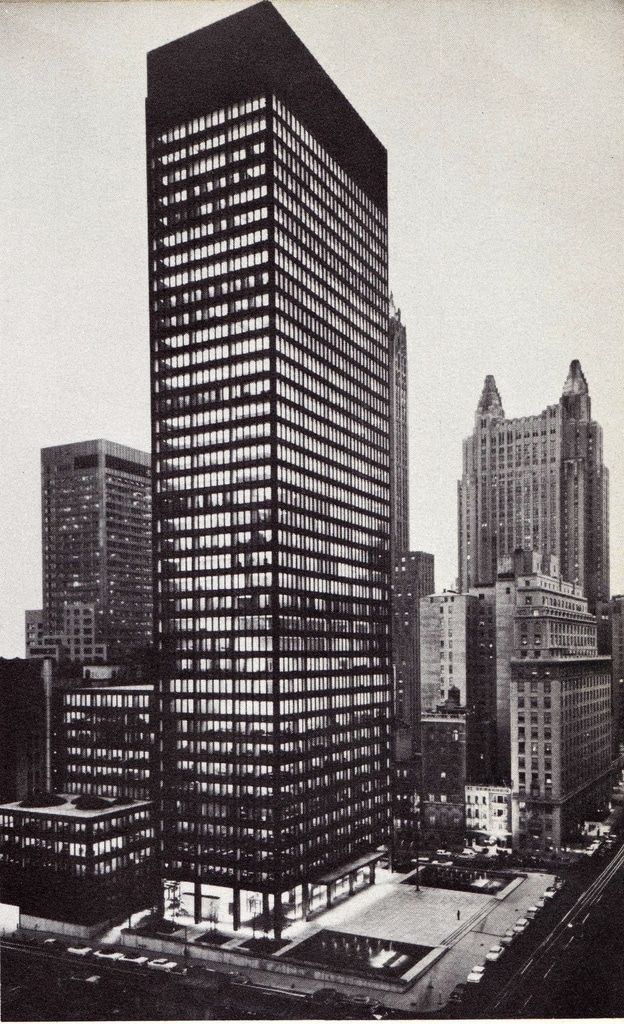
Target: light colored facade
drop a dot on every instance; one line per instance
(488, 813)
(529, 612)
(446, 631)
(74, 642)
(536, 483)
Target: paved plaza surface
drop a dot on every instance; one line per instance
(460, 926)
(429, 917)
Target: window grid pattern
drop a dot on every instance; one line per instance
(270, 398)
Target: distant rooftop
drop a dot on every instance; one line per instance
(67, 809)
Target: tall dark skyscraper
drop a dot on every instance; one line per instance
(399, 478)
(97, 554)
(271, 440)
(536, 483)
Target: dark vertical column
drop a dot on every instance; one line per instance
(305, 900)
(277, 915)
(197, 901)
(236, 918)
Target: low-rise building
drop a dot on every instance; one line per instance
(488, 813)
(78, 860)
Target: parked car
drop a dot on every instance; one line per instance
(458, 992)
(138, 960)
(238, 978)
(162, 964)
(541, 902)
(79, 950)
(443, 853)
(108, 954)
(508, 937)
(494, 954)
(521, 925)
(532, 912)
(476, 974)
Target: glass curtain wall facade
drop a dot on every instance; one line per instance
(270, 381)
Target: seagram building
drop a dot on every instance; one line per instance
(271, 435)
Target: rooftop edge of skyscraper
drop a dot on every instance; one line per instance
(256, 47)
(123, 451)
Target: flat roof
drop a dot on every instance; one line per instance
(68, 810)
(252, 53)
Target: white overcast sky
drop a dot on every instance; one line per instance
(504, 125)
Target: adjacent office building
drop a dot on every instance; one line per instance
(537, 483)
(412, 578)
(271, 438)
(24, 726)
(97, 555)
(104, 740)
(560, 747)
(610, 622)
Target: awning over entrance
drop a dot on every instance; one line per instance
(347, 869)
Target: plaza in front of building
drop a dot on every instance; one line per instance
(404, 944)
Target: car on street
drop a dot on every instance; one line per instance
(458, 992)
(79, 950)
(138, 960)
(106, 954)
(494, 954)
(162, 964)
(476, 974)
(238, 978)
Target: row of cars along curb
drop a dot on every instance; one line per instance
(496, 952)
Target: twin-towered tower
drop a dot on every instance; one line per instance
(536, 483)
